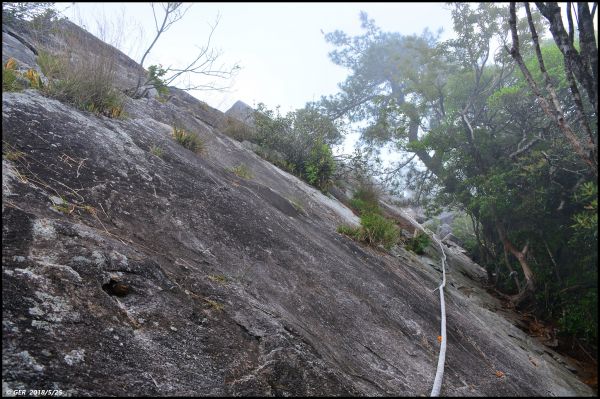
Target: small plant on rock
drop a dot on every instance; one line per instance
(156, 151)
(242, 171)
(10, 76)
(189, 140)
(418, 243)
(374, 230)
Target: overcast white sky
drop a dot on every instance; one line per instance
(279, 46)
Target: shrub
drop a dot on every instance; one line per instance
(188, 140)
(418, 243)
(155, 79)
(365, 200)
(320, 166)
(303, 137)
(242, 171)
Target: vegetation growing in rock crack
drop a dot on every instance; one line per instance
(156, 150)
(242, 171)
(375, 229)
(418, 243)
(189, 140)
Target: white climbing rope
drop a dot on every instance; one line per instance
(439, 373)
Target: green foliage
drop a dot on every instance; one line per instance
(418, 243)
(242, 171)
(347, 230)
(365, 200)
(10, 77)
(155, 78)
(320, 166)
(64, 207)
(13, 11)
(586, 221)
(374, 228)
(299, 141)
(580, 316)
(188, 140)
(156, 151)
(462, 228)
(52, 66)
(13, 80)
(488, 147)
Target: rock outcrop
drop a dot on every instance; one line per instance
(128, 273)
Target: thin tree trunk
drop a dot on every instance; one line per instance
(521, 256)
(512, 271)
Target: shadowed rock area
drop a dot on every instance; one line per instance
(128, 273)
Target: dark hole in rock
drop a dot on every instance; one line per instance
(117, 288)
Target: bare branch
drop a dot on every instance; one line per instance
(203, 64)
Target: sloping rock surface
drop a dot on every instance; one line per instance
(125, 273)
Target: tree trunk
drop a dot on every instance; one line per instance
(527, 291)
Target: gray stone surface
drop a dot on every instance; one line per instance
(12, 47)
(232, 286)
(242, 112)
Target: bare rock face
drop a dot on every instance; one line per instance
(128, 273)
(242, 112)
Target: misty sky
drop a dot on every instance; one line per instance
(279, 46)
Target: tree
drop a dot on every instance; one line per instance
(489, 149)
(204, 64)
(425, 96)
(25, 11)
(581, 68)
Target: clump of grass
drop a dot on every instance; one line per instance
(378, 230)
(156, 150)
(88, 84)
(215, 305)
(64, 207)
(297, 205)
(242, 171)
(11, 77)
(51, 65)
(188, 140)
(375, 229)
(352, 232)
(14, 155)
(418, 243)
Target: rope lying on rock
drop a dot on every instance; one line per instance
(439, 374)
